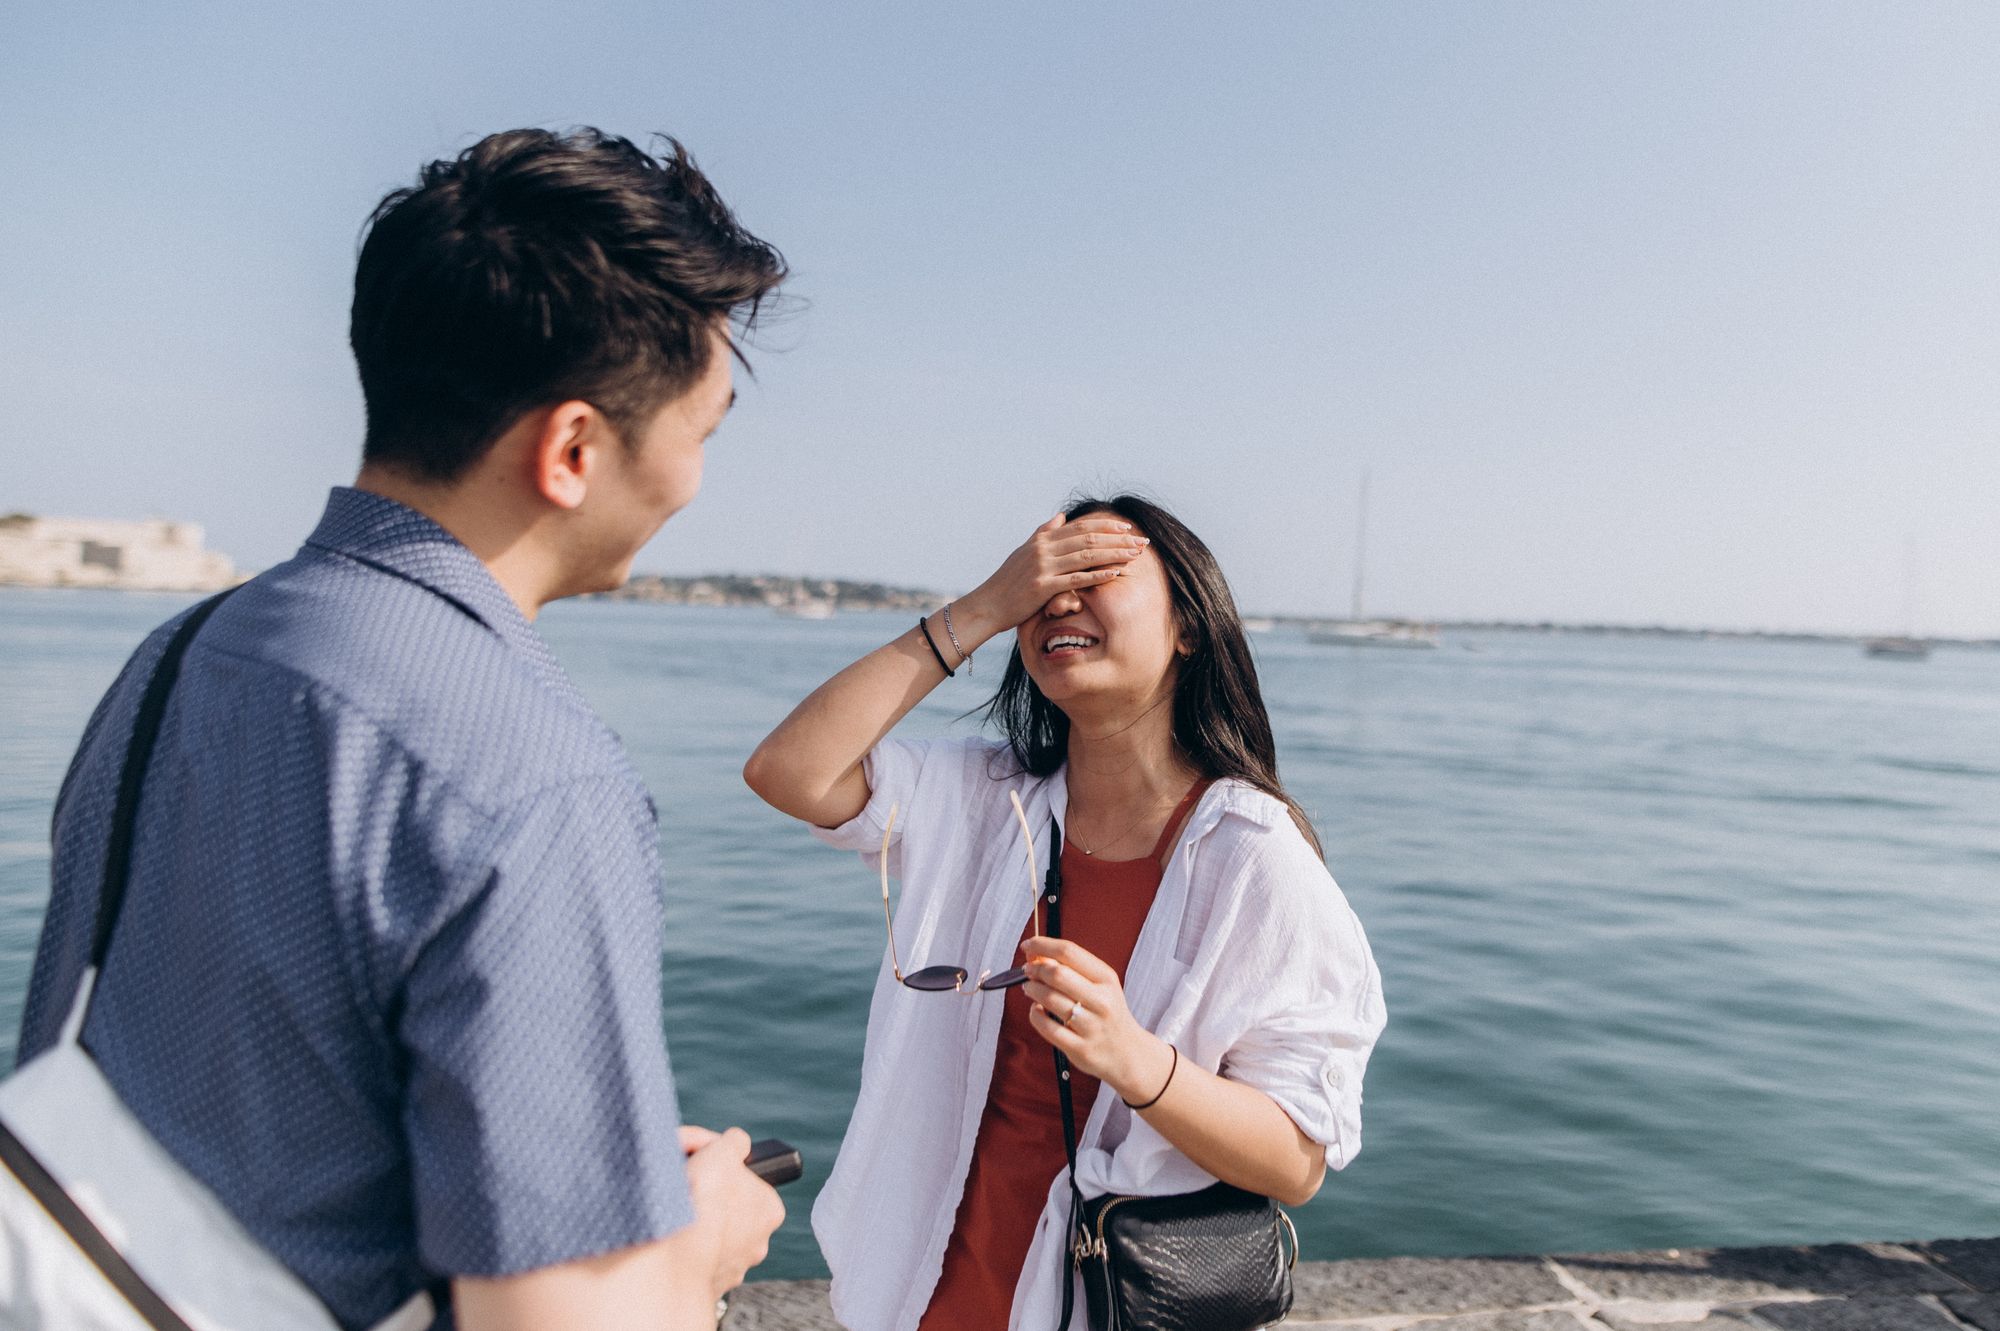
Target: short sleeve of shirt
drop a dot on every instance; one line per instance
(540, 1111)
(1310, 1025)
(893, 768)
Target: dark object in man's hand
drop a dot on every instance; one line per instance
(776, 1162)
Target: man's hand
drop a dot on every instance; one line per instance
(670, 1284)
(743, 1210)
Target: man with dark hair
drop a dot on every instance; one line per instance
(388, 976)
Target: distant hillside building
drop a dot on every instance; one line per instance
(154, 556)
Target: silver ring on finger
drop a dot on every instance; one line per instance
(1074, 1008)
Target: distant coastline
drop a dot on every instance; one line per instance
(1668, 631)
(811, 597)
(816, 597)
(159, 556)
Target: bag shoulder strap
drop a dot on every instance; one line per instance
(1052, 921)
(132, 779)
(14, 1153)
(421, 1308)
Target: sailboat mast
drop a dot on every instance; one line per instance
(1361, 546)
(1909, 586)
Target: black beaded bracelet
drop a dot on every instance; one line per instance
(1163, 1086)
(931, 643)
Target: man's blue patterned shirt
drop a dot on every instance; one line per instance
(388, 976)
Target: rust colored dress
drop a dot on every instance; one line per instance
(1020, 1144)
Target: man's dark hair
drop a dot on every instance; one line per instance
(533, 268)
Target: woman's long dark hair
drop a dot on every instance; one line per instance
(1219, 719)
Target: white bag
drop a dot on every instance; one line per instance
(167, 1228)
(100, 1228)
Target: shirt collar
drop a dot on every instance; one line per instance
(1231, 795)
(1221, 799)
(398, 540)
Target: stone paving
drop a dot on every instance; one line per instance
(1942, 1285)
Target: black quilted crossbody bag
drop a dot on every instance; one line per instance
(1212, 1260)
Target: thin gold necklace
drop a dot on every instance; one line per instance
(1114, 840)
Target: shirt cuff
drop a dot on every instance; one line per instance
(1321, 1094)
(891, 769)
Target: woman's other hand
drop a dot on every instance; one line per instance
(1235, 1132)
(1059, 557)
(1079, 1007)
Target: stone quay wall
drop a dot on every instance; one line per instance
(1939, 1285)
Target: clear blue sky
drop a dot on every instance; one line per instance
(1668, 312)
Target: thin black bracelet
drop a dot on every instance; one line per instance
(932, 644)
(1163, 1089)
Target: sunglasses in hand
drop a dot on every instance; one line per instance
(951, 979)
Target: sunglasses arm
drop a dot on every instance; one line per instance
(895, 962)
(1034, 873)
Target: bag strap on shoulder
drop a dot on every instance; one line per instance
(132, 779)
(421, 1308)
(1052, 921)
(14, 1153)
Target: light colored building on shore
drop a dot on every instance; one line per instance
(154, 556)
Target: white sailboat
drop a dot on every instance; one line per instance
(1357, 630)
(1904, 646)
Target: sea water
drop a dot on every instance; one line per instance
(1684, 942)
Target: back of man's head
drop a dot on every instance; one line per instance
(537, 268)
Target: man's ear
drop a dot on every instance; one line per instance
(567, 446)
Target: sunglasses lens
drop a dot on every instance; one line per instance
(1005, 979)
(935, 979)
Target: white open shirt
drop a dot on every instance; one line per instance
(1250, 961)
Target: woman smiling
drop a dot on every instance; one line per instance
(1209, 973)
